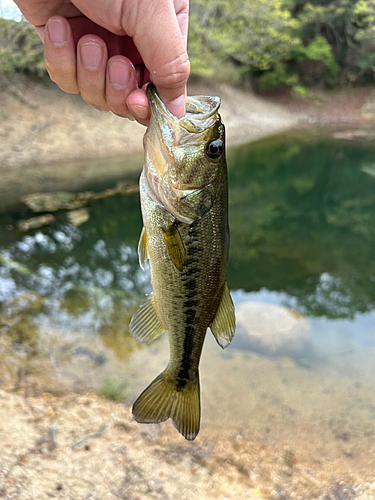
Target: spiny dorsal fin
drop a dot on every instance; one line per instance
(164, 399)
(145, 325)
(224, 323)
(175, 246)
(142, 248)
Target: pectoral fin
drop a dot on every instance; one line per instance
(224, 323)
(175, 246)
(145, 325)
(142, 248)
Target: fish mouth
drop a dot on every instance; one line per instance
(168, 140)
(201, 112)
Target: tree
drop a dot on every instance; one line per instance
(250, 37)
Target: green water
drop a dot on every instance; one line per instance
(302, 216)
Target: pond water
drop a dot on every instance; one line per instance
(302, 214)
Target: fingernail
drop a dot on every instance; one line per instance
(91, 55)
(118, 75)
(177, 106)
(57, 32)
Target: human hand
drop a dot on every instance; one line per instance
(108, 50)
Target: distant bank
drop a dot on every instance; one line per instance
(41, 125)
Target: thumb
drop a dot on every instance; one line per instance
(160, 37)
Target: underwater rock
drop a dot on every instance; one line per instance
(270, 329)
(63, 200)
(50, 202)
(35, 222)
(78, 217)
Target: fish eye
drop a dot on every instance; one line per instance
(214, 149)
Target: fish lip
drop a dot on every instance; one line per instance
(157, 105)
(199, 110)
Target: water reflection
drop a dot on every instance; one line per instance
(302, 235)
(302, 222)
(86, 276)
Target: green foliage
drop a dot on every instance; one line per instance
(267, 42)
(112, 391)
(300, 90)
(278, 75)
(21, 50)
(278, 42)
(320, 50)
(245, 36)
(364, 18)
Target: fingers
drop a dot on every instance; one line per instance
(60, 54)
(120, 83)
(138, 106)
(160, 37)
(103, 83)
(92, 60)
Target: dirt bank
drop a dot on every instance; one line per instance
(40, 125)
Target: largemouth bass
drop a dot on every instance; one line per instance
(184, 193)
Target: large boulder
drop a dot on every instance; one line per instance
(270, 329)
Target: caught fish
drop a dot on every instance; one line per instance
(185, 237)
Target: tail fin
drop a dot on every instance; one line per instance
(165, 398)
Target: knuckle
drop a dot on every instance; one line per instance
(174, 74)
(119, 110)
(100, 107)
(66, 81)
(125, 115)
(69, 89)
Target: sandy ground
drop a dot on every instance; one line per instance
(82, 447)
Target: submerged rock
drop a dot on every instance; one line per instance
(50, 202)
(270, 329)
(35, 222)
(78, 217)
(63, 200)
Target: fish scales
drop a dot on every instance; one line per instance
(186, 239)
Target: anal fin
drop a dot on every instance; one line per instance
(145, 326)
(224, 322)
